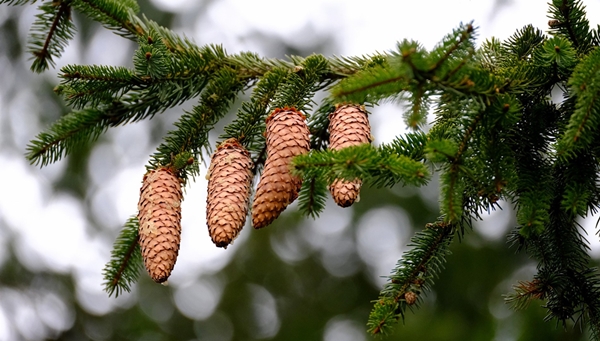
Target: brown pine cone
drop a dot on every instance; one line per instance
(229, 181)
(348, 126)
(160, 222)
(410, 297)
(287, 136)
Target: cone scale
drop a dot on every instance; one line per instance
(229, 181)
(348, 126)
(287, 136)
(159, 214)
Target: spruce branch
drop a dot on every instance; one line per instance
(454, 45)
(583, 123)
(151, 96)
(93, 85)
(409, 69)
(451, 184)
(88, 124)
(364, 162)
(413, 274)
(412, 145)
(300, 86)
(312, 197)
(249, 125)
(376, 83)
(191, 135)
(112, 14)
(126, 260)
(65, 135)
(569, 285)
(50, 34)
(558, 54)
(318, 124)
(567, 17)
(417, 115)
(152, 59)
(524, 293)
(522, 44)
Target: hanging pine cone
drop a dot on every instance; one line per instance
(287, 137)
(229, 181)
(348, 126)
(160, 222)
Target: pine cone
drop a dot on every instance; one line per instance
(410, 297)
(287, 136)
(160, 222)
(348, 126)
(229, 181)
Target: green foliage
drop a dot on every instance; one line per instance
(249, 125)
(312, 196)
(413, 274)
(496, 134)
(66, 134)
(123, 269)
(50, 34)
(92, 85)
(374, 165)
(300, 85)
(568, 19)
(112, 14)
(583, 124)
(193, 127)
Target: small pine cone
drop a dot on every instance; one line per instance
(229, 181)
(160, 222)
(348, 126)
(287, 136)
(410, 297)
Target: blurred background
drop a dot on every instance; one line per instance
(299, 279)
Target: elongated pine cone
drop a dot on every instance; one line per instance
(348, 126)
(287, 136)
(159, 213)
(229, 181)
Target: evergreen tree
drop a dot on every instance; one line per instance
(497, 134)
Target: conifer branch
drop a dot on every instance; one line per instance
(411, 145)
(413, 274)
(84, 86)
(300, 86)
(318, 124)
(416, 116)
(312, 197)
(126, 260)
(65, 135)
(192, 130)
(407, 70)
(154, 95)
(568, 18)
(50, 34)
(583, 123)
(558, 54)
(525, 292)
(373, 84)
(112, 14)
(363, 162)
(249, 125)
(461, 38)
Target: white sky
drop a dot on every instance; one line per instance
(50, 228)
